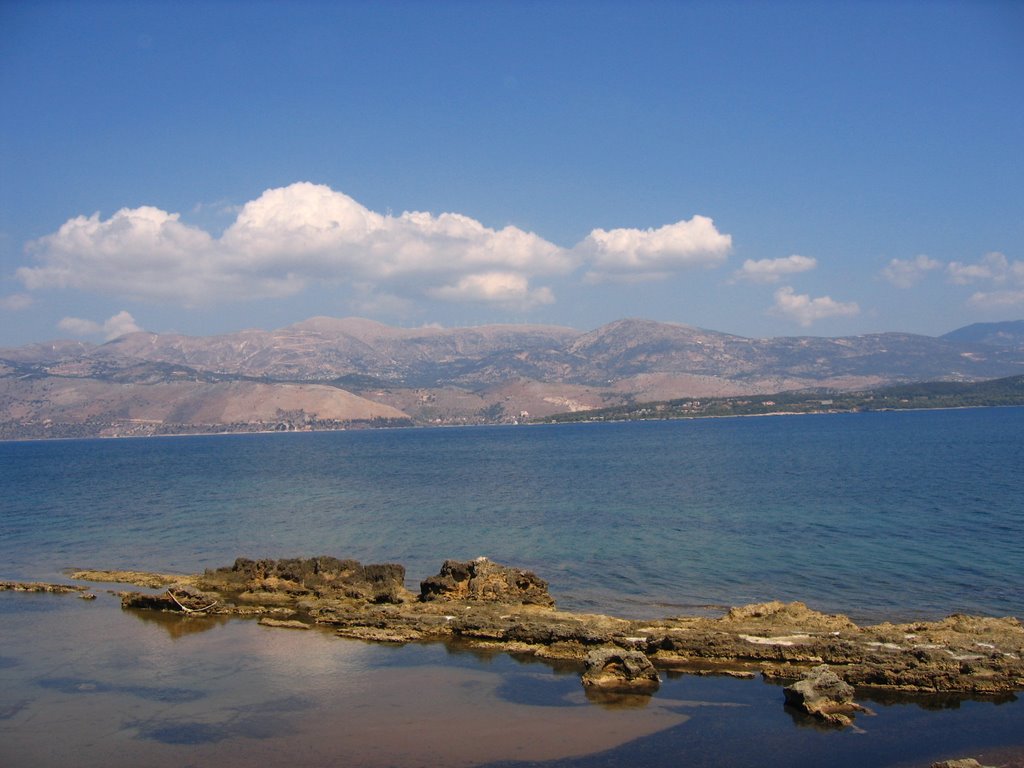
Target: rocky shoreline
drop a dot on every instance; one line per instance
(485, 604)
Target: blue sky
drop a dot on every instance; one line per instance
(763, 169)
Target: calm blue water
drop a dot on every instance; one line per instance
(880, 515)
(876, 515)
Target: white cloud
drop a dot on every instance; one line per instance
(997, 299)
(504, 288)
(1006, 276)
(283, 240)
(772, 270)
(140, 253)
(905, 273)
(629, 255)
(119, 325)
(79, 327)
(292, 237)
(115, 326)
(994, 267)
(15, 302)
(805, 310)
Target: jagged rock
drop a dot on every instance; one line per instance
(483, 580)
(968, 762)
(825, 695)
(317, 576)
(618, 670)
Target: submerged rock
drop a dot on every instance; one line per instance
(483, 580)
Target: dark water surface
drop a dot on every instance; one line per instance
(889, 515)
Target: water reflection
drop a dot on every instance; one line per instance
(613, 700)
(933, 701)
(152, 693)
(178, 625)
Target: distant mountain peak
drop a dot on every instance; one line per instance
(1009, 333)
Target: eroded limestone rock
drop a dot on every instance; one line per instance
(268, 621)
(38, 586)
(321, 577)
(179, 598)
(616, 670)
(484, 580)
(500, 608)
(138, 578)
(825, 695)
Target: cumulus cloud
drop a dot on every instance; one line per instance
(294, 236)
(994, 267)
(772, 270)
(805, 310)
(1004, 276)
(15, 302)
(140, 253)
(280, 242)
(503, 288)
(905, 273)
(115, 326)
(1011, 299)
(77, 326)
(629, 255)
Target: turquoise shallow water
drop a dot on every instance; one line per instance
(891, 515)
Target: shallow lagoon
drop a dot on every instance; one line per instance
(87, 684)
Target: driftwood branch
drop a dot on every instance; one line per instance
(187, 609)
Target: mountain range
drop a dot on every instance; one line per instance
(330, 373)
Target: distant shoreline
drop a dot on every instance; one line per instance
(551, 421)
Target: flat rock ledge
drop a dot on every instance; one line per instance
(39, 586)
(485, 604)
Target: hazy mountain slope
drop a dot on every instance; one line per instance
(630, 347)
(325, 348)
(47, 352)
(1007, 334)
(462, 375)
(113, 405)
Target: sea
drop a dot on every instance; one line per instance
(879, 516)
